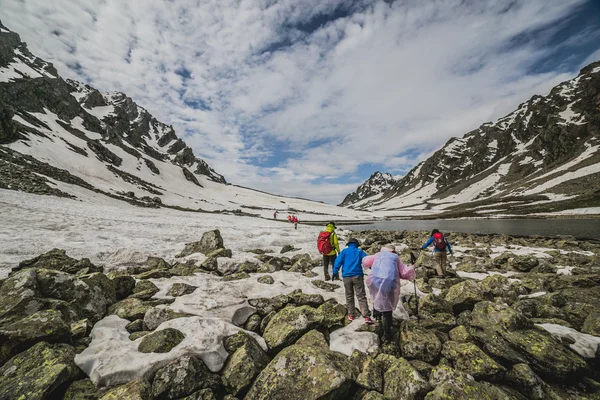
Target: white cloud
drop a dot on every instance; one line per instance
(386, 84)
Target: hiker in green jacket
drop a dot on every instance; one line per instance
(328, 246)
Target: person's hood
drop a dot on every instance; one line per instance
(352, 243)
(330, 228)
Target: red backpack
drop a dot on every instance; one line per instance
(324, 243)
(439, 241)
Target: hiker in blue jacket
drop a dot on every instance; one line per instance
(350, 260)
(441, 246)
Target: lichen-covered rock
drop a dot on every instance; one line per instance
(456, 385)
(204, 394)
(157, 315)
(130, 309)
(57, 259)
(420, 344)
(253, 323)
(157, 263)
(287, 248)
(431, 304)
(38, 372)
(527, 382)
(220, 253)
(181, 289)
(289, 324)
(371, 376)
(310, 274)
(469, 358)
(144, 290)
(498, 286)
(264, 306)
(326, 286)
(236, 276)
(546, 354)
(302, 265)
(373, 395)
(242, 367)
(154, 274)
(402, 381)
(524, 263)
(332, 313)
(211, 240)
(442, 322)
(135, 326)
(81, 328)
(266, 279)
(82, 390)
(134, 390)
(124, 283)
(591, 325)
(307, 370)
(460, 334)
(464, 295)
(161, 341)
(183, 377)
(488, 315)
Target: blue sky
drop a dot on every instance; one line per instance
(310, 97)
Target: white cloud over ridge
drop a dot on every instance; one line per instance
(273, 102)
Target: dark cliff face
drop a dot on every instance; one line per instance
(377, 183)
(514, 158)
(30, 87)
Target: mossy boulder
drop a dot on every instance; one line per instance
(130, 309)
(522, 377)
(253, 323)
(211, 240)
(289, 324)
(181, 289)
(236, 276)
(205, 394)
(124, 283)
(591, 325)
(442, 322)
(452, 384)
(144, 290)
(431, 304)
(302, 265)
(183, 377)
(298, 298)
(371, 377)
(470, 359)
(82, 390)
(417, 343)
(38, 372)
(332, 313)
(524, 263)
(287, 248)
(464, 295)
(57, 259)
(401, 380)
(154, 274)
(157, 315)
(134, 390)
(266, 279)
(157, 263)
(242, 367)
(265, 305)
(161, 341)
(460, 334)
(307, 370)
(488, 315)
(326, 286)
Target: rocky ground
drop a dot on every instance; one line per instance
(518, 318)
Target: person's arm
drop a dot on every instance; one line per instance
(339, 262)
(336, 245)
(405, 271)
(427, 243)
(368, 261)
(449, 247)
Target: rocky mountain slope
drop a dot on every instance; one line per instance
(377, 183)
(542, 157)
(65, 138)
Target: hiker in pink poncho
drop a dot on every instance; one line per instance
(384, 284)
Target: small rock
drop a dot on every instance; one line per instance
(236, 276)
(161, 341)
(183, 377)
(134, 390)
(157, 315)
(181, 289)
(328, 287)
(144, 290)
(82, 390)
(287, 248)
(266, 279)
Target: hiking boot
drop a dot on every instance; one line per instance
(369, 321)
(327, 277)
(351, 318)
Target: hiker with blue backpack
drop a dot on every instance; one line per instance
(440, 248)
(350, 261)
(384, 284)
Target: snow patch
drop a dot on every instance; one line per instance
(585, 345)
(347, 339)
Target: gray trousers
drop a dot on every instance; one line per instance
(356, 285)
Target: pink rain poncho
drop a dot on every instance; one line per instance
(384, 280)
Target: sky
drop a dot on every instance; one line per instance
(308, 98)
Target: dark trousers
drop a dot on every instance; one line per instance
(326, 261)
(356, 285)
(386, 317)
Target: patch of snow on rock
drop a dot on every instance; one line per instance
(585, 345)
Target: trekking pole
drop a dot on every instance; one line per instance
(415, 282)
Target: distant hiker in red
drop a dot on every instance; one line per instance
(275, 215)
(289, 218)
(295, 221)
(328, 246)
(439, 251)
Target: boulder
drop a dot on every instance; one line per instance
(402, 381)
(527, 382)
(442, 322)
(81, 328)
(241, 315)
(287, 248)
(326, 286)
(431, 304)
(591, 325)
(57, 259)
(124, 283)
(130, 309)
(488, 315)
(464, 295)
(242, 367)
(524, 263)
(332, 313)
(210, 241)
(302, 265)
(161, 341)
(372, 395)
(183, 377)
(470, 359)
(157, 315)
(310, 368)
(134, 390)
(82, 390)
(298, 298)
(371, 377)
(157, 263)
(38, 372)
(236, 276)
(289, 324)
(135, 326)
(266, 279)
(204, 394)
(420, 344)
(264, 305)
(144, 290)
(451, 384)
(154, 274)
(181, 289)
(460, 334)
(253, 323)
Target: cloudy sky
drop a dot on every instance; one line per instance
(310, 97)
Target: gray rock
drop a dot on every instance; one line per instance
(124, 283)
(183, 377)
(241, 315)
(210, 241)
(162, 341)
(266, 279)
(181, 289)
(242, 367)
(157, 315)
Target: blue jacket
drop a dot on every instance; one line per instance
(435, 249)
(350, 260)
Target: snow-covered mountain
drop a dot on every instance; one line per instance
(65, 138)
(543, 157)
(377, 183)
